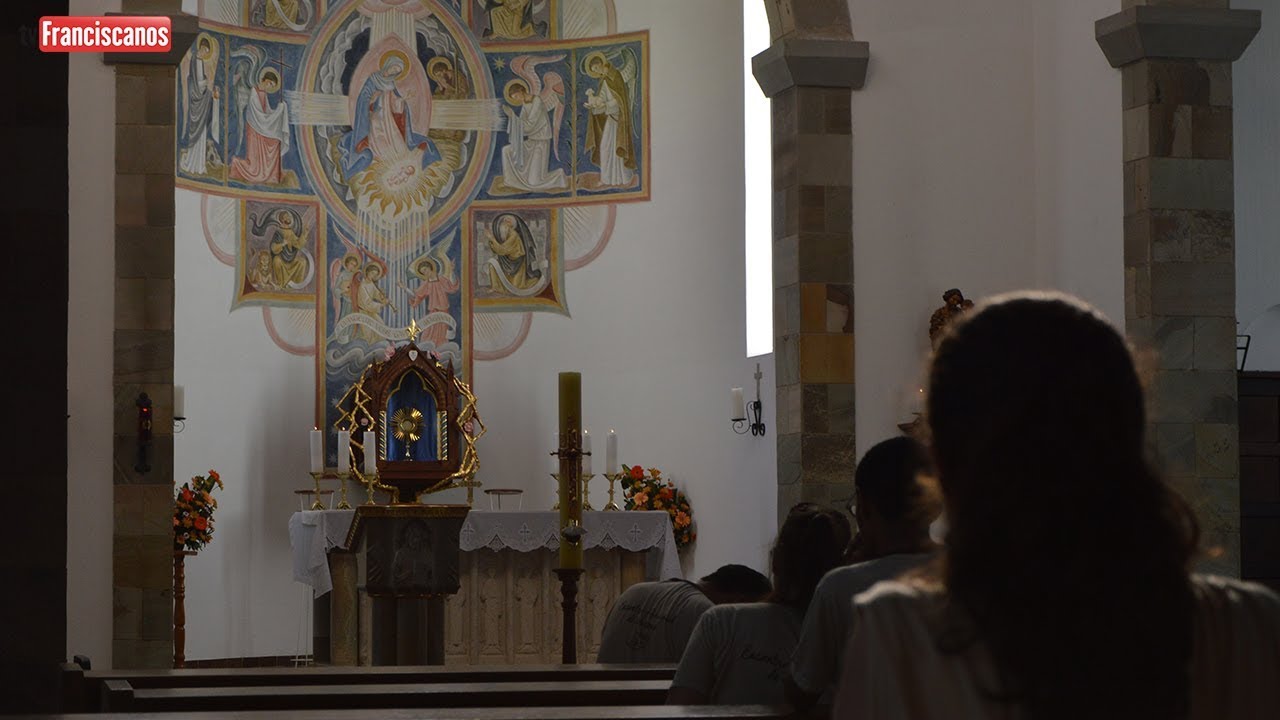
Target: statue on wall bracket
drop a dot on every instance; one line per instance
(425, 421)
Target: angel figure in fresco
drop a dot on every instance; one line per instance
(513, 19)
(200, 108)
(436, 283)
(266, 127)
(291, 265)
(514, 265)
(610, 129)
(534, 116)
(342, 275)
(367, 298)
(383, 129)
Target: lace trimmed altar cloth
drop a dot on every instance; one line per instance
(313, 533)
(526, 531)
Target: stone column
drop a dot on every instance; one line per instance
(1175, 57)
(809, 72)
(144, 216)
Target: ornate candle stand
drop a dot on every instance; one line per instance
(586, 492)
(342, 478)
(317, 505)
(370, 481)
(613, 479)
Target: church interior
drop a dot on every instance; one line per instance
(445, 358)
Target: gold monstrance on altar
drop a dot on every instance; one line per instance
(422, 419)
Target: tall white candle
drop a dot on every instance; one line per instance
(317, 451)
(739, 406)
(555, 459)
(586, 448)
(370, 452)
(179, 401)
(344, 450)
(611, 453)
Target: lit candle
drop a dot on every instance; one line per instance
(179, 402)
(739, 406)
(344, 450)
(370, 452)
(555, 459)
(611, 453)
(570, 487)
(317, 451)
(586, 448)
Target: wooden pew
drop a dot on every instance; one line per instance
(122, 697)
(83, 690)
(648, 712)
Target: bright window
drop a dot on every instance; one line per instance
(758, 189)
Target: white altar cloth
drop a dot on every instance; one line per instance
(526, 531)
(313, 533)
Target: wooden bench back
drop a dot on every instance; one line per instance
(121, 696)
(643, 712)
(83, 690)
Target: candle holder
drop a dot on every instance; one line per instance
(370, 482)
(586, 491)
(613, 479)
(342, 479)
(317, 505)
(556, 478)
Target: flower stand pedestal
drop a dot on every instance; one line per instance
(180, 607)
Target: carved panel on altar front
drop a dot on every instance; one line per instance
(509, 613)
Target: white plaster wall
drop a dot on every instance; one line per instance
(1257, 170)
(986, 157)
(657, 331)
(90, 305)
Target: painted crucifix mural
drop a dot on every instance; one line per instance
(366, 164)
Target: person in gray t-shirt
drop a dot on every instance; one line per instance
(651, 621)
(738, 653)
(893, 512)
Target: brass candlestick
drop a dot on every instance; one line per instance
(613, 479)
(317, 505)
(586, 490)
(370, 482)
(342, 478)
(556, 477)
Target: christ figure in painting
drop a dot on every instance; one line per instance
(512, 19)
(266, 131)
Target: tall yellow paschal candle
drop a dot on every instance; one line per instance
(570, 468)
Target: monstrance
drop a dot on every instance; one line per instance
(406, 424)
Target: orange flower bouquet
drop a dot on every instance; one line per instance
(650, 491)
(193, 508)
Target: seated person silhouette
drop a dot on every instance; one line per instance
(651, 621)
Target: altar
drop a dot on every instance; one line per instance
(508, 610)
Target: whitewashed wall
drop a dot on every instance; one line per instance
(986, 157)
(657, 332)
(1257, 157)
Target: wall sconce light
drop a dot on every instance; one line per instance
(144, 433)
(179, 409)
(746, 416)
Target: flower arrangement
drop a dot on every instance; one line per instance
(650, 491)
(193, 509)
